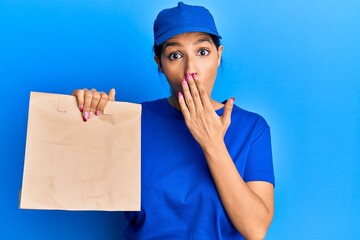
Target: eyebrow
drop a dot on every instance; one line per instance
(171, 44)
(199, 41)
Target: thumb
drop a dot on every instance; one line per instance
(112, 94)
(227, 111)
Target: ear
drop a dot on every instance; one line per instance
(158, 62)
(219, 52)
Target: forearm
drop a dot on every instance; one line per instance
(246, 210)
(245, 205)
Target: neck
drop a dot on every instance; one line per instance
(173, 101)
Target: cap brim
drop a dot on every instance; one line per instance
(178, 30)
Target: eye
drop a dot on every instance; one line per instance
(174, 56)
(203, 52)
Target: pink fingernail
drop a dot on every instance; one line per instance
(183, 82)
(187, 75)
(81, 107)
(97, 112)
(91, 114)
(179, 94)
(232, 100)
(86, 116)
(195, 76)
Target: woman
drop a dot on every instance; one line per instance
(202, 177)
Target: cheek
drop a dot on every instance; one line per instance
(173, 79)
(173, 73)
(208, 75)
(209, 71)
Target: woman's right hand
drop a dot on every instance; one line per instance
(92, 102)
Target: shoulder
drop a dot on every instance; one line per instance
(248, 119)
(160, 109)
(247, 126)
(155, 102)
(155, 105)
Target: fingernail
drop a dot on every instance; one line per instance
(187, 75)
(97, 112)
(179, 94)
(91, 114)
(232, 100)
(86, 116)
(195, 76)
(81, 107)
(183, 82)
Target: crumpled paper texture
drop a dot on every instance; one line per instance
(73, 165)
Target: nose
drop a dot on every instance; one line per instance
(190, 65)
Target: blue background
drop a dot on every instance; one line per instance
(295, 62)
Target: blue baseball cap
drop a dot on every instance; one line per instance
(183, 18)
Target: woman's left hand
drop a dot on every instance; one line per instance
(200, 117)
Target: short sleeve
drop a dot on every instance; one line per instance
(259, 164)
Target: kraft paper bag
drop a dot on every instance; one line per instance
(73, 165)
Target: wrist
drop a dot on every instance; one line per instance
(214, 147)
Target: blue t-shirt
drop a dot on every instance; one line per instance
(179, 199)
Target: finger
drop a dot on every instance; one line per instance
(94, 102)
(226, 117)
(194, 92)
(204, 97)
(87, 104)
(104, 98)
(79, 94)
(183, 107)
(112, 93)
(187, 96)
